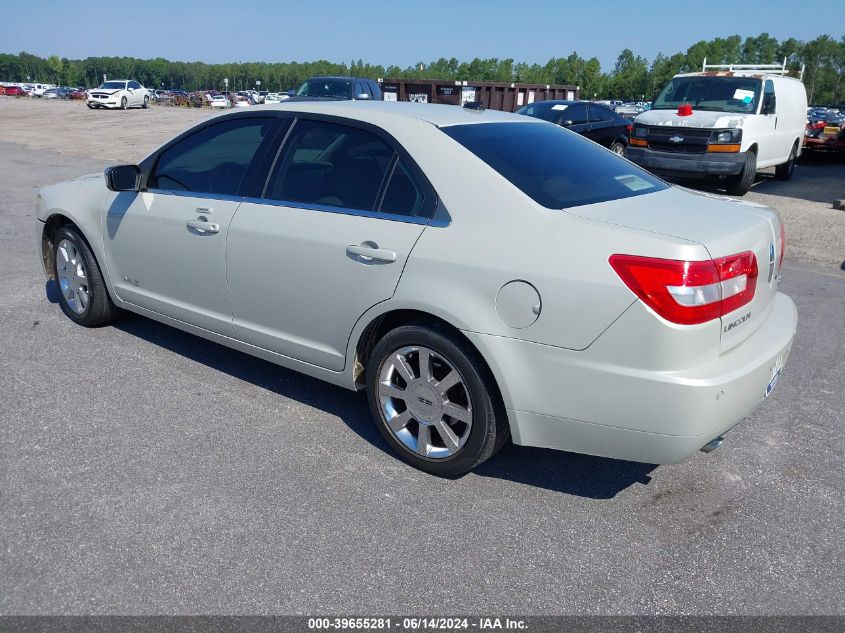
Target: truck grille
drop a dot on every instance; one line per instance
(678, 148)
(685, 132)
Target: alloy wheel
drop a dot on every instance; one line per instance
(73, 279)
(425, 402)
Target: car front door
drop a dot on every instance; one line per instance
(575, 118)
(327, 240)
(767, 133)
(602, 125)
(166, 246)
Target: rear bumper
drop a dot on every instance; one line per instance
(706, 164)
(567, 400)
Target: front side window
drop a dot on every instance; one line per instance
(720, 94)
(556, 168)
(134, 85)
(600, 114)
(331, 165)
(213, 160)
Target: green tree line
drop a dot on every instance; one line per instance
(632, 77)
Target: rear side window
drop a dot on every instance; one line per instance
(331, 165)
(214, 160)
(403, 195)
(556, 168)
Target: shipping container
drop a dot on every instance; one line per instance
(494, 95)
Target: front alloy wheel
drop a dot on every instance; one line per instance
(73, 280)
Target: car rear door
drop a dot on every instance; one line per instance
(166, 246)
(326, 240)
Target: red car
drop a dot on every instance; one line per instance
(15, 91)
(79, 93)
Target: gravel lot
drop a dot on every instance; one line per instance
(143, 470)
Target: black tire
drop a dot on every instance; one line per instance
(100, 308)
(740, 184)
(91, 106)
(489, 430)
(123, 103)
(146, 103)
(784, 171)
(618, 147)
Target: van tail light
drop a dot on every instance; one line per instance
(630, 127)
(781, 245)
(690, 292)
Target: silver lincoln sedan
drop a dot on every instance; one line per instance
(484, 276)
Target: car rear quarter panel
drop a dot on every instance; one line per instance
(498, 235)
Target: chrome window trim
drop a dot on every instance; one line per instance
(196, 194)
(307, 206)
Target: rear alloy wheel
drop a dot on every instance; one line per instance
(123, 103)
(618, 148)
(784, 171)
(432, 401)
(83, 295)
(740, 184)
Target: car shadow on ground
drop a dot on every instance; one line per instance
(568, 473)
(813, 168)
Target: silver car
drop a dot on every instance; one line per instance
(483, 276)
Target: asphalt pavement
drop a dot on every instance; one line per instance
(144, 470)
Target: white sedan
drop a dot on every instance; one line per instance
(483, 276)
(119, 93)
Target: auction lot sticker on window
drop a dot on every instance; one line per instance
(746, 96)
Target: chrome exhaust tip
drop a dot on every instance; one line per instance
(712, 445)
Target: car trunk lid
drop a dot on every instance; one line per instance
(724, 226)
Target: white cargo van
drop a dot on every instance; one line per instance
(728, 120)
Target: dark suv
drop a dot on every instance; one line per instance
(340, 88)
(594, 120)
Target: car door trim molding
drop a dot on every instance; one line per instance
(377, 215)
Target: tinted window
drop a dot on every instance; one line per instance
(555, 167)
(403, 195)
(577, 113)
(545, 111)
(768, 97)
(600, 113)
(134, 85)
(330, 88)
(214, 160)
(332, 165)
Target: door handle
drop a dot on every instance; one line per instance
(371, 253)
(205, 227)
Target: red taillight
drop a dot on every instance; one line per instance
(690, 292)
(630, 127)
(781, 245)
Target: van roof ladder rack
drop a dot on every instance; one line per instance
(771, 69)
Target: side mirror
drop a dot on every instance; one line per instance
(123, 177)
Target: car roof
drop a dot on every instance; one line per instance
(378, 111)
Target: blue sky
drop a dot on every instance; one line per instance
(397, 32)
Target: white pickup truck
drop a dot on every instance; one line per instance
(725, 121)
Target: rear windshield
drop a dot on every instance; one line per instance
(553, 166)
(720, 94)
